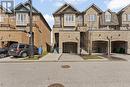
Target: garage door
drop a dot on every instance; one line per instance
(69, 47)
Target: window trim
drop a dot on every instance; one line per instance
(125, 18)
(93, 17)
(108, 16)
(21, 19)
(69, 18)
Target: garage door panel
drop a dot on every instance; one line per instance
(69, 47)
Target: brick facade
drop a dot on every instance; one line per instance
(11, 32)
(98, 31)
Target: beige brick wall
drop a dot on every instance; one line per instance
(66, 36)
(42, 34)
(95, 24)
(116, 36)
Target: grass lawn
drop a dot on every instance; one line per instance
(86, 57)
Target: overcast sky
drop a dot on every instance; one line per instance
(47, 7)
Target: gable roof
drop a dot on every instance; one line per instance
(94, 6)
(122, 10)
(27, 8)
(20, 6)
(64, 7)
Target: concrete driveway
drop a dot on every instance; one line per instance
(70, 57)
(123, 56)
(53, 57)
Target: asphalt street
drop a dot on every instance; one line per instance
(78, 74)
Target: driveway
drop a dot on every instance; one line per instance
(53, 57)
(70, 57)
(123, 56)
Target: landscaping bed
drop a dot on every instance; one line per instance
(87, 57)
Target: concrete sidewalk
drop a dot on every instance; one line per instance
(51, 57)
(11, 59)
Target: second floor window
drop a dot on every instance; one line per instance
(21, 18)
(1, 18)
(124, 17)
(107, 17)
(69, 18)
(92, 17)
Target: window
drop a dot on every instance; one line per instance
(80, 20)
(69, 19)
(92, 17)
(1, 18)
(107, 17)
(21, 46)
(128, 17)
(21, 18)
(124, 17)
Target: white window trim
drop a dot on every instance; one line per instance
(92, 18)
(21, 19)
(69, 19)
(124, 17)
(108, 17)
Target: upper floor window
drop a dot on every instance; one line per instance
(21, 19)
(80, 20)
(69, 20)
(1, 18)
(92, 17)
(128, 17)
(107, 17)
(124, 17)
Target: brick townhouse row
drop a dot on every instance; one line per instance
(93, 30)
